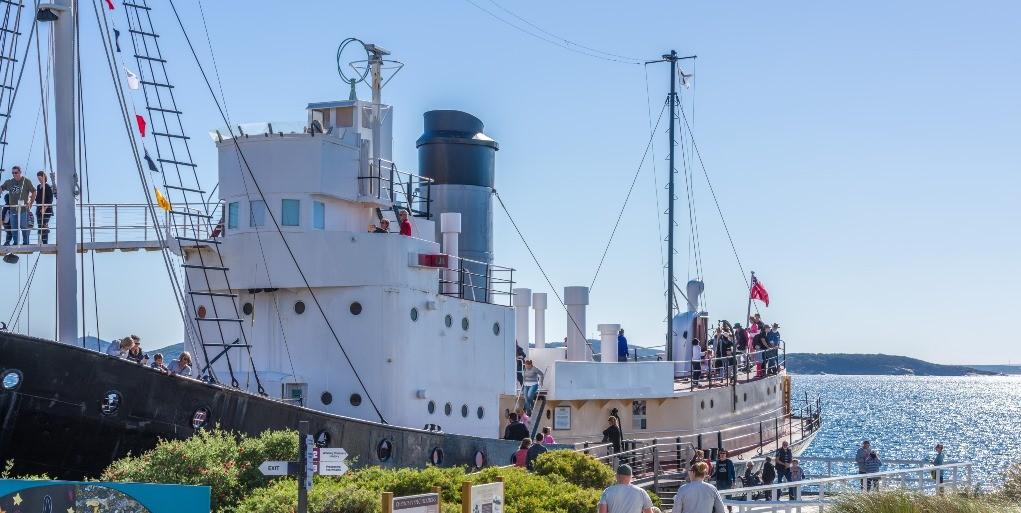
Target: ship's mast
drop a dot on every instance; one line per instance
(64, 86)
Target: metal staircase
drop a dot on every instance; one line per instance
(192, 223)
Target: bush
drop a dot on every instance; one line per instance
(226, 462)
(1012, 483)
(909, 502)
(575, 467)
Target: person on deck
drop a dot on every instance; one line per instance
(157, 363)
(44, 197)
(773, 355)
(534, 451)
(181, 366)
(613, 435)
(622, 350)
(5, 215)
(384, 227)
(19, 203)
(531, 378)
(136, 355)
(624, 497)
(696, 361)
(740, 342)
(697, 496)
(515, 430)
(405, 223)
(120, 348)
(724, 474)
(520, 457)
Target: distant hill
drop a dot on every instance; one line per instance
(875, 365)
(643, 352)
(999, 369)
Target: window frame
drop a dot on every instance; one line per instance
(233, 215)
(254, 212)
(318, 215)
(286, 215)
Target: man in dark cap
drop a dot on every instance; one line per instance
(624, 497)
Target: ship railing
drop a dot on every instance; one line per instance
(741, 367)
(653, 461)
(762, 436)
(109, 226)
(816, 494)
(478, 281)
(383, 181)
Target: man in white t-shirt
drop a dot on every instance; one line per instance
(624, 497)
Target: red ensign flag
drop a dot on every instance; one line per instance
(759, 292)
(141, 124)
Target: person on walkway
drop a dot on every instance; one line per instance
(547, 436)
(531, 379)
(19, 202)
(751, 477)
(534, 451)
(520, 360)
(525, 419)
(794, 475)
(515, 430)
(44, 197)
(520, 457)
(405, 223)
(181, 366)
(613, 435)
(697, 496)
(768, 476)
(784, 457)
(624, 497)
(724, 473)
(860, 457)
(937, 460)
(872, 465)
(622, 350)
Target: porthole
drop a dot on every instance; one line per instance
(322, 438)
(431, 407)
(480, 412)
(200, 418)
(448, 320)
(703, 405)
(248, 308)
(326, 398)
(299, 307)
(496, 328)
(414, 314)
(464, 410)
(356, 399)
(384, 450)
(746, 397)
(480, 460)
(549, 414)
(111, 402)
(464, 323)
(201, 311)
(447, 409)
(12, 379)
(436, 457)
(711, 404)
(355, 308)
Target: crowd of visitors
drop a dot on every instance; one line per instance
(16, 213)
(130, 348)
(735, 347)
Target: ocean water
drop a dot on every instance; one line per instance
(977, 419)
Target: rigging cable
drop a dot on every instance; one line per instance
(17, 87)
(627, 197)
(273, 218)
(655, 179)
(557, 40)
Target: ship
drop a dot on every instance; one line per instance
(399, 346)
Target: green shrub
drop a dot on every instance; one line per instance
(6, 473)
(575, 467)
(224, 461)
(1012, 483)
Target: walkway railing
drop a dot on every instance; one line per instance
(816, 494)
(478, 281)
(383, 181)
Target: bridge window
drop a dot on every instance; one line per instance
(256, 213)
(232, 215)
(638, 415)
(290, 212)
(318, 215)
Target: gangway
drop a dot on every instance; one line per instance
(107, 227)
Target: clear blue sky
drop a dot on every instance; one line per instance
(866, 154)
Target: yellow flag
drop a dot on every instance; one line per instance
(161, 200)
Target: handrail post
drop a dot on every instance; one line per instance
(760, 437)
(116, 223)
(719, 440)
(655, 466)
(679, 464)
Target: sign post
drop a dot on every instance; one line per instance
(484, 498)
(304, 465)
(311, 460)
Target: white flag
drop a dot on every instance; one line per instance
(133, 82)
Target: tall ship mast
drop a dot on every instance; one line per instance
(400, 344)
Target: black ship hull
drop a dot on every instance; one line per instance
(55, 420)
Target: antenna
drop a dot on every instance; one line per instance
(375, 64)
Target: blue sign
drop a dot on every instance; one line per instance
(18, 496)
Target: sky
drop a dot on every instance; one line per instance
(865, 155)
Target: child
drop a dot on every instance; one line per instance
(547, 436)
(157, 363)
